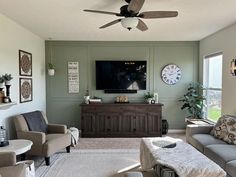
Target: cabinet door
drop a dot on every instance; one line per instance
(126, 123)
(87, 124)
(107, 123)
(100, 123)
(112, 123)
(154, 124)
(140, 123)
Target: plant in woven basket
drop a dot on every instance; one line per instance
(193, 101)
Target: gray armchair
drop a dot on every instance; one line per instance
(8, 166)
(44, 144)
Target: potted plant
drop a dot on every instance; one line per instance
(2, 80)
(51, 69)
(148, 97)
(7, 78)
(193, 101)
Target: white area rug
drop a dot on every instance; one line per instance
(90, 163)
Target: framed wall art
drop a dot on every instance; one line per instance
(73, 77)
(26, 94)
(25, 63)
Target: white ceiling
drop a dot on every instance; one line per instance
(65, 19)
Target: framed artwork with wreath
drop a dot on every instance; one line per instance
(26, 94)
(25, 63)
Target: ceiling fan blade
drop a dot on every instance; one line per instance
(110, 24)
(142, 26)
(102, 12)
(135, 5)
(158, 14)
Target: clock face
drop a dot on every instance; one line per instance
(171, 74)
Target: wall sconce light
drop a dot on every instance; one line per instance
(233, 67)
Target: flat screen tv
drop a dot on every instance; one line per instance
(121, 75)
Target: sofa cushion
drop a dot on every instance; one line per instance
(231, 168)
(221, 153)
(225, 129)
(199, 141)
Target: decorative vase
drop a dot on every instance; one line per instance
(1, 86)
(7, 82)
(149, 100)
(86, 99)
(51, 72)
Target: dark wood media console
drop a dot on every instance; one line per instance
(121, 120)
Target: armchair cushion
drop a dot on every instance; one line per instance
(8, 167)
(13, 171)
(36, 121)
(7, 159)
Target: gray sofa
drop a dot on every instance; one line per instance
(217, 150)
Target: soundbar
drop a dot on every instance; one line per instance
(120, 91)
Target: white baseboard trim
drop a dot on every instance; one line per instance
(176, 131)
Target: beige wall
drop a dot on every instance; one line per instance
(12, 38)
(223, 41)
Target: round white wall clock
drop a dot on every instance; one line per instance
(171, 74)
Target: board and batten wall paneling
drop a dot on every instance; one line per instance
(64, 108)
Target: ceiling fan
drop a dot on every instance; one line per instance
(132, 16)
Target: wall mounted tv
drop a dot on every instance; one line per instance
(121, 75)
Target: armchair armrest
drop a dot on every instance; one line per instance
(198, 129)
(35, 137)
(18, 170)
(7, 159)
(57, 128)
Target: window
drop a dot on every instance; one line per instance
(212, 82)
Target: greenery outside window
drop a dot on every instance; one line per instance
(212, 83)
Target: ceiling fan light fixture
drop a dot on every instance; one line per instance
(129, 22)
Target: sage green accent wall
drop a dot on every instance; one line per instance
(65, 108)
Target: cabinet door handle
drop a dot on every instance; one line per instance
(108, 117)
(108, 129)
(134, 117)
(134, 129)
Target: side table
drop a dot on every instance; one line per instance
(19, 146)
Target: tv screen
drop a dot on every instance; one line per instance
(121, 75)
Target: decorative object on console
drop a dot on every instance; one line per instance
(193, 101)
(73, 77)
(86, 97)
(3, 137)
(233, 67)
(122, 99)
(2, 95)
(25, 63)
(155, 95)
(26, 90)
(171, 74)
(149, 97)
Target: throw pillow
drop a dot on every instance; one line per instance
(36, 121)
(225, 129)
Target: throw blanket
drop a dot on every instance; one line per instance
(74, 136)
(35, 121)
(184, 159)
